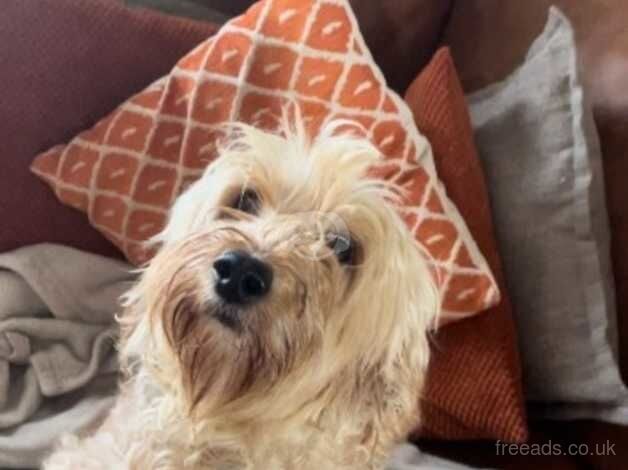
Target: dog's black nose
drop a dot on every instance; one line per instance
(241, 278)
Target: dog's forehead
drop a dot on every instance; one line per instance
(298, 184)
(295, 175)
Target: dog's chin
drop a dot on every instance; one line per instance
(236, 319)
(229, 317)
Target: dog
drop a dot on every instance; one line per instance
(282, 324)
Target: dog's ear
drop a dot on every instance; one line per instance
(403, 372)
(184, 213)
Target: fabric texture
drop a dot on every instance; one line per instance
(126, 171)
(57, 333)
(479, 355)
(65, 64)
(539, 146)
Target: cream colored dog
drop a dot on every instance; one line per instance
(282, 324)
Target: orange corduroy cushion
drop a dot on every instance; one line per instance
(126, 171)
(474, 383)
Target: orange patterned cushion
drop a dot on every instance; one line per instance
(126, 171)
(473, 386)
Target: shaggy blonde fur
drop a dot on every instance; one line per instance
(323, 373)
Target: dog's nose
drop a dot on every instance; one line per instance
(241, 278)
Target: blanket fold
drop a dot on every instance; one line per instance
(57, 332)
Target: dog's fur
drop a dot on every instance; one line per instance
(324, 373)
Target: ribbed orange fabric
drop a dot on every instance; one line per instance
(474, 387)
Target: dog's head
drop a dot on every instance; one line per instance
(285, 281)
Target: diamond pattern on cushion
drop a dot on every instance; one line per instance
(78, 165)
(332, 29)
(108, 212)
(286, 21)
(279, 51)
(318, 77)
(129, 131)
(117, 172)
(361, 89)
(272, 67)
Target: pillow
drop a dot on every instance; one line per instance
(411, 28)
(126, 171)
(538, 143)
(600, 28)
(44, 100)
(473, 388)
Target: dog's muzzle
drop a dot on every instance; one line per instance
(241, 278)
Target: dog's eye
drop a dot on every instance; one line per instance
(343, 247)
(247, 201)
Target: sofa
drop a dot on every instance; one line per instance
(487, 39)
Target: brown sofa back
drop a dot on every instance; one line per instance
(66, 63)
